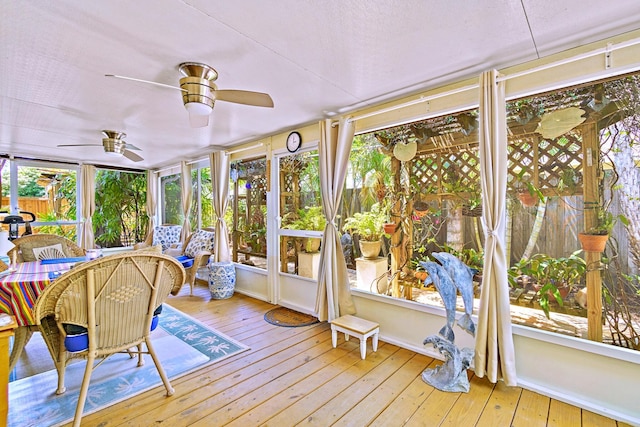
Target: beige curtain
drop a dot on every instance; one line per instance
(152, 200)
(494, 355)
(220, 182)
(187, 195)
(88, 179)
(334, 295)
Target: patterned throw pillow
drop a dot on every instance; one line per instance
(166, 235)
(201, 240)
(48, 252)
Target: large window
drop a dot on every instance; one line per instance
(201, 205)
(573, 171)
(247, 213)
(120, 218)
(171, 200)
(302, 220)
(44, 194)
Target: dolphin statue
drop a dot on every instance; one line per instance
(447, 290)
(462, 276)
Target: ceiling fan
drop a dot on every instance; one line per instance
(199, 93)
(113, 144)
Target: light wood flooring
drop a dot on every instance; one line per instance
(293, 376)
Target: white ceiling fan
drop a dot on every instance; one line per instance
(199, 93)
(113, 144)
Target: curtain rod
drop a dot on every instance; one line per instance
(259, 144)
(606, 50)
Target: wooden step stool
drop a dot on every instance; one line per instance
(357, 327)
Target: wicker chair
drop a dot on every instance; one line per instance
(24, 246)
(114, 299)
(192, 261)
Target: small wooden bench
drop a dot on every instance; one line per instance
(359, 328)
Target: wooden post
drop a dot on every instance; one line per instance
(590, 168)
(396, 238)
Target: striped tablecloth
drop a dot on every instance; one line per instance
(19, 289)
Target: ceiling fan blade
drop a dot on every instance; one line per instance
(145, 81)
(257, 99)
(198, 121)
(79, 145)
(131, 147)
(132, 156)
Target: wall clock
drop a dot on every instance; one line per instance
(294, 141)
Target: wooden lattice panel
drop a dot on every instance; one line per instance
(438, 173)
(554, 165)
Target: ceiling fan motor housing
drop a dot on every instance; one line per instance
(198, 94)
(113, 142)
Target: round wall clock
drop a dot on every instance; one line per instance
(294, 141)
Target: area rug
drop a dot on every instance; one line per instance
(282, 316)
(182, 343)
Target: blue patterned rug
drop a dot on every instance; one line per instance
(182, 343)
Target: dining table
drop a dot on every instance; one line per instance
(20, 286)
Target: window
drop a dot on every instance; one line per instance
(202, 203)
(171, 200)
(44, 191)
(120, 218)
(247, 212)
(302, 220)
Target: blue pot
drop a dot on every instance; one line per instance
(222, 279)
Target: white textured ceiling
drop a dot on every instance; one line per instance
(313, 57)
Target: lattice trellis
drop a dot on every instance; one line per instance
(447, 172)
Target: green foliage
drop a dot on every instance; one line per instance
(605, 221)
(120, 208)
(27, 182)
(309, 218)
(550, 274)
(368, 225)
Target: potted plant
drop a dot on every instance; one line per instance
(551, 277)
(309, 218)
(595, 238)
(528, 193)
(369, 228)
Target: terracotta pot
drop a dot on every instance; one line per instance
(593, 242)
(390, 228)
(527, 199)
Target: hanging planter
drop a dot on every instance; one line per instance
(527, 199)
(593, 242)
(389, 228)
(420, 209)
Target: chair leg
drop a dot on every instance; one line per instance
(83, 391)
(140, 358)
(61, 364)
(163, 375)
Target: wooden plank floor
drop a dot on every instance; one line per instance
(293, 376)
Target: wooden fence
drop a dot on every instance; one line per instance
(36, 205)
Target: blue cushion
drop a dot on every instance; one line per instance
(185, 261)
(63, 260)
(77, 338)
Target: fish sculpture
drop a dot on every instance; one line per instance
(462, 277)
(447, 290)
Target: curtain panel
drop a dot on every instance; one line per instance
(220, 182)
(494, 352)
(88, 179)
(152, 200)
(187, 196)
(333, 298)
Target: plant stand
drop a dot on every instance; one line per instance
(308, 264)
(222, 279)
(368, 271)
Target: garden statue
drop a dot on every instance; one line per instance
(452, 375)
